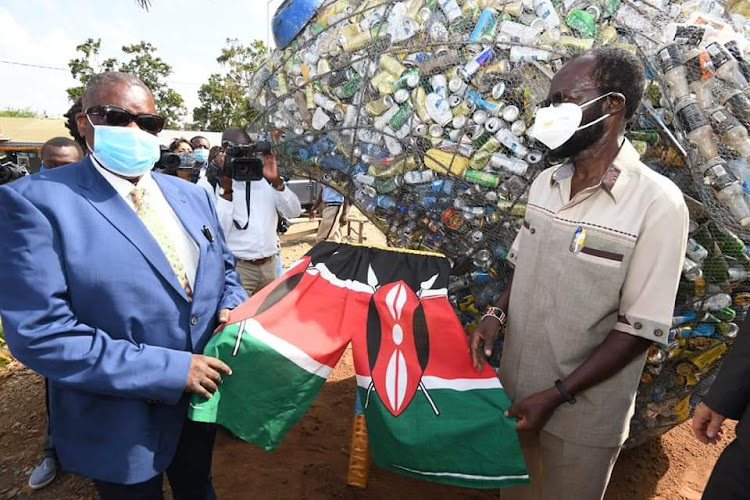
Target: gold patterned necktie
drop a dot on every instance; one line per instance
(149, 218)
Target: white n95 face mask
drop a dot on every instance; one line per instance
(556, 124)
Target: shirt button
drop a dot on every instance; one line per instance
(511, 255)
(658, 333)
(638, 326)
(533, 231)
(194, 320)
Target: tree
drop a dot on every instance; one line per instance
(84, 67)
(225, 99)
(154, 72)
(141, 62)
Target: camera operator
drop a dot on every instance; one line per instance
(249, 212)
(183, 149)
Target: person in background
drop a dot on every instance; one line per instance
(135, 278)
(56, 152)
(334, 215)
(201, 150)
(60, 151)
(249, 214)
(729, 397)
(597, 264)
(184, 150)
(70, 124)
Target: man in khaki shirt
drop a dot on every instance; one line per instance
(598, 262)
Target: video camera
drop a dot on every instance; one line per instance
(168, 161)
(10, 171)
(242, 162)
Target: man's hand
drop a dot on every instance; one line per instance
(481, 341)
(312, 214)
(205, 372)
(534, 412)
(223, 316)
(344, 218)
(707, 424)
(271, 170)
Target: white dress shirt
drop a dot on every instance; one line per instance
(258, 240)
(183, 243)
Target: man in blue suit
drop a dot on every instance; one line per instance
(113, 277)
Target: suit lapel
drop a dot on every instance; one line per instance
(107, 202)
(190, 219)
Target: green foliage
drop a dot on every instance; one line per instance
(141, 61)
(224, 98)
(20, 113)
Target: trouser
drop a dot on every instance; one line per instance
(49, 445)
(256, 276)
(730, 479)
(430, 413)
(189, 473)
(329, 228)
(563, 470)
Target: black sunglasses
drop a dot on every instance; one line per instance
(118, 117)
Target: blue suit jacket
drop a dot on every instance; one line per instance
(89, 300)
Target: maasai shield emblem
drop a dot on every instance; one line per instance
(398, 344)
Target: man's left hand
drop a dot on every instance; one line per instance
(534, 412)
(707, 424)
(223, 316)
(271, 170)
(344, 218)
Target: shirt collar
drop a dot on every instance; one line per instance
(122, 185)
(626, 158)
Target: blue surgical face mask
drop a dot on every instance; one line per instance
(125, 151)
(201, 156)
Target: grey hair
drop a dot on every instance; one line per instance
(107, 79)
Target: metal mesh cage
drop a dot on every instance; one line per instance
(418, 112)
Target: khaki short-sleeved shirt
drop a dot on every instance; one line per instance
(570, 291)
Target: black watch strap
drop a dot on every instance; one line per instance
(566, 395)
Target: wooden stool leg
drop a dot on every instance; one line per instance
(359, 449)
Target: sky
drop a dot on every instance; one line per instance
(188, 35)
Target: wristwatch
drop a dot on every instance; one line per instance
(566, 395)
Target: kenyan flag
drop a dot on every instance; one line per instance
(429, 413)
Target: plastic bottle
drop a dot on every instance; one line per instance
(726, 66)
(729, 190)
(669, 59)
(697, 127)
(547, 12)
(730, 130)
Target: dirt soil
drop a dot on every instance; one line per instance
(312, 461)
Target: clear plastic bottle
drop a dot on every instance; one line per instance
(730, 130)
(669, 59)
(726, 66)
(697, 127)
(691, 270)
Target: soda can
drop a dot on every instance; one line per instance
(511, 114)
(492, 125)
(480, 60)
(498, 91)
(518, 128)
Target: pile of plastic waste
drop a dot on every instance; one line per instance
(418, 111)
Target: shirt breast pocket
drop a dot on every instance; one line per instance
(602, 256)
(598, 256)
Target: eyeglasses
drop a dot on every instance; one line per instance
(118, 117)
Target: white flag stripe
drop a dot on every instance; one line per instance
(462, 476)
(357, 286)
(287, 350)
(456, 384)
